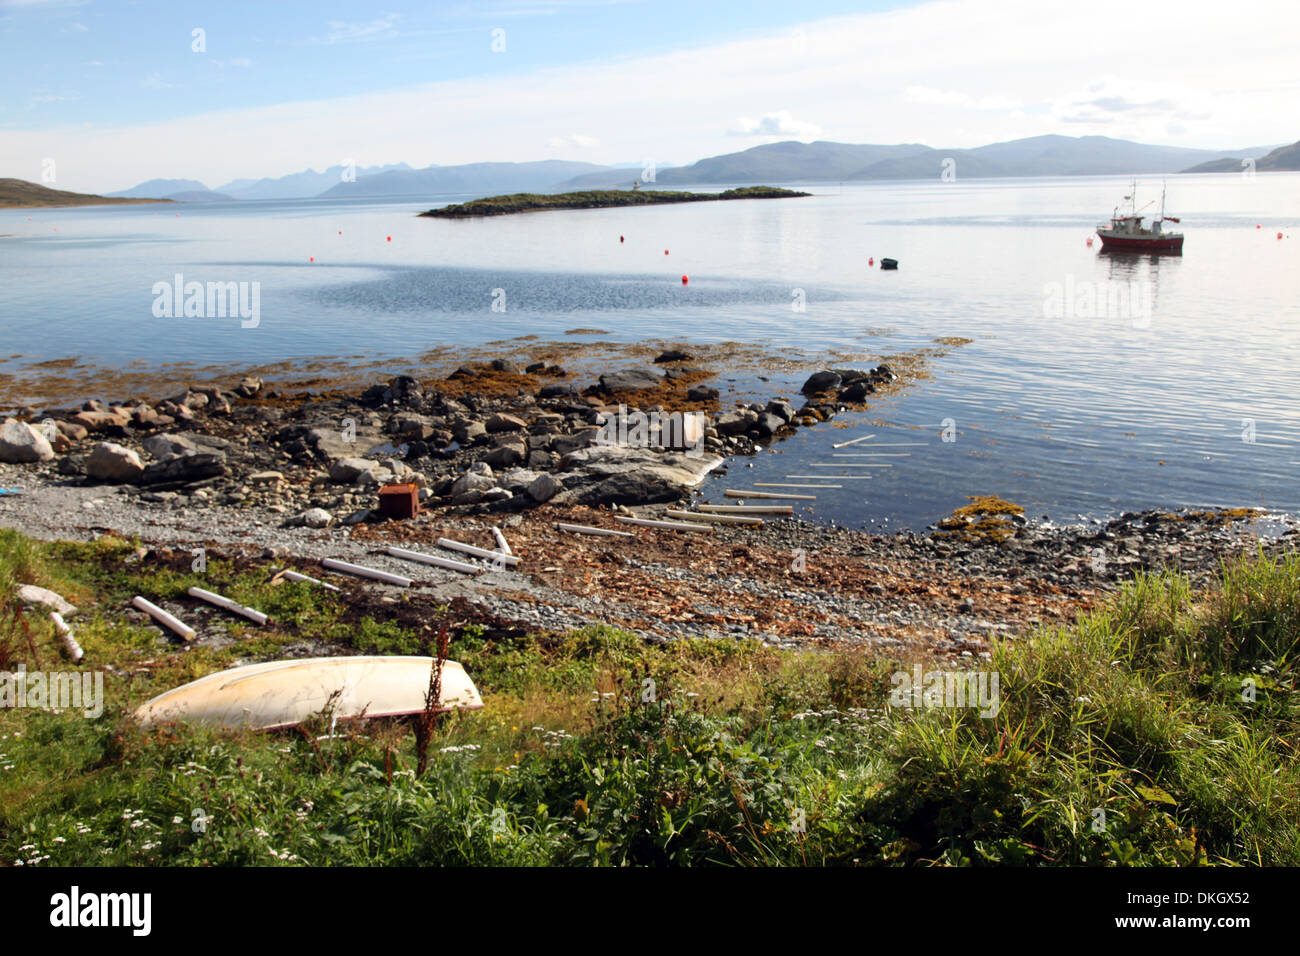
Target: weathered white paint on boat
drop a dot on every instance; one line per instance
(283, 693)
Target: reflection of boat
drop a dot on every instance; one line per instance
(1127, 234)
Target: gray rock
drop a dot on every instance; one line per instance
(469, 432)
(184, 469)
(501, 422)
(113, 463)
(544, 488)
(820, 382)
(702, 393)
(783, 410)
(472, 481)
(626, 475)
(163, 447)
(346, 471)
(629, 379)
(313, 518)
(248, 387)
(21, 443)
(503, 456)
(769, 424)
(734, 423)
(673, 355)
(557, 390)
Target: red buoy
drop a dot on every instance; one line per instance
(620, 238)
(665, 252)
(390, 238)
(685, 279)
(871, 261)
(1279, 235)
(311, 258)
(1258, 226)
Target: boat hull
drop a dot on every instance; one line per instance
(1172, 243)
(283, 693)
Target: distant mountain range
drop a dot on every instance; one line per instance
(841, 162)
(301, 185)
(1282, 158)
(771, 164)
(471, 178)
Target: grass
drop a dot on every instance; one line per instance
(598, 198)
(1160, 729)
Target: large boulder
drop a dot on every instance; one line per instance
(820, 382)
(472, 481)
(20, 443)
(630, 379)
(617, 474)
(163, 447)
(185, 469)
(113, 463)
(507, 454)
(501, 422)
(346, 471)
(97, 421)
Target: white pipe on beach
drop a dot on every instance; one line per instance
(665, 525)
(502, 544)
(748, 509)
(588, 529)
(713, 519)
(494, 556)
(744, 493)
(433, 559)
(255, 616)
(162, 617)
(70, 642)
(336, 565)
(308, 579)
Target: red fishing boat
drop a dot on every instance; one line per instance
(1125, 233)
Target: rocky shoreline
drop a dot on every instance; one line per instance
(288, 480)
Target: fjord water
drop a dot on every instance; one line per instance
(1067, 411)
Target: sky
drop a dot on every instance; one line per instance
(108, 94)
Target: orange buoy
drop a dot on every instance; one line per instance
(685, 279)
(1090, 240)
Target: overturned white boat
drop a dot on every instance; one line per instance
(284, 693)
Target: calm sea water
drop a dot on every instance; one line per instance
(1187, 398)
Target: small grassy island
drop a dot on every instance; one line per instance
(597, 199)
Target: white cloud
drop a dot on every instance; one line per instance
(780, 124)
(576, 141)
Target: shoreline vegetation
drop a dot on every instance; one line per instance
(598, 199)
(20, 194)
(1122, 738)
